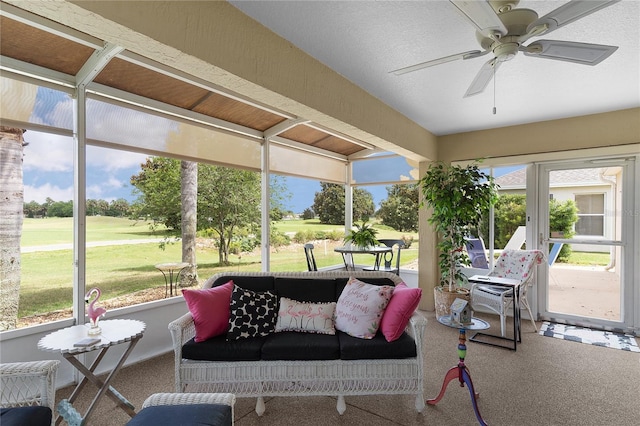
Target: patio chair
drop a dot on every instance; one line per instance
(311, 260)
(28, 392)
(388, 261)
(512, 264)
(477, 253)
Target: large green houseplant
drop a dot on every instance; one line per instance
(457, 196)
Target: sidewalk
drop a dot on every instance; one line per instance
(69, 246)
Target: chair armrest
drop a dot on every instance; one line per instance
(189, 398)
(182, 330)
(29, 383)
(416, 328)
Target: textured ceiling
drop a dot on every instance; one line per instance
(364, 40)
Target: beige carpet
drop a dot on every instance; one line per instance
(545, 382)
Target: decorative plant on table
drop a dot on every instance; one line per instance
(458, 196)
(363, 236)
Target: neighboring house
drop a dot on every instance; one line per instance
(594, 192)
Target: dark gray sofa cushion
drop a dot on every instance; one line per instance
(352, 348)
(292, 345)
(257, 283)
(219, 349)
(186, 415)
(306, 289)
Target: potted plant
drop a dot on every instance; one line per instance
(363, 236)
(457, 196)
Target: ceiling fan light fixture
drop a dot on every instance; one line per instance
(506, 51)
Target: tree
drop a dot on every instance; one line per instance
(33, 209)
(189, 213)
(11, 211)
(60, 209)
(229, 207)
(221, 208)
(117, 208)
(510, 213)
(158, 189)
(329, 204)
(400, 209)
(308, 214)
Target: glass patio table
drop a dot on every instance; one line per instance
(349, 250)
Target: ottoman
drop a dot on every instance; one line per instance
(186, 409)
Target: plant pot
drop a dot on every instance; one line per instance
(444, 298)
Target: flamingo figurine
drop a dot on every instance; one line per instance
(94, 312)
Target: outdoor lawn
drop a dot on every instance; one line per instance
(120, 269)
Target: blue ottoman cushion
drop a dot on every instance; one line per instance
(26, 416)
(184, 415)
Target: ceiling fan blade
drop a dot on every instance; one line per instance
(569, 12)
(483, 77)
(580, 53)
(482, 16)
(464, 55)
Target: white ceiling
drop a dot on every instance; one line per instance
(364, 40)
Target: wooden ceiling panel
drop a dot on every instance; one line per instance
(32, 45)
(133, 78)
(319, 139)
(237, 112)
(335, 144)
(304, 134)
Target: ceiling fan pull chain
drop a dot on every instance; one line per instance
(494, 89)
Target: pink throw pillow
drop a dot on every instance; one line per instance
(360, 307)
(403, 303)
(209, 308)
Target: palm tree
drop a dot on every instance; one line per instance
(189, 214)
(11, 215)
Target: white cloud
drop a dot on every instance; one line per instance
(48, 152)
(39, 194)
(112, 160)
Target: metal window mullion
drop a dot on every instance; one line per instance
(265, 197)
(79, 205)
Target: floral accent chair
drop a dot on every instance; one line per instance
(512, 264)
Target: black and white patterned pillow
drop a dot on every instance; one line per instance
(252, 314)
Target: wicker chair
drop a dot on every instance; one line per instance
(24, 385)
(163, 408)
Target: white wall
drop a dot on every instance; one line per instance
(22, 344)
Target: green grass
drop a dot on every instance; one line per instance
(57, 230)
(589, 258)
(47, 276)
(301, 225)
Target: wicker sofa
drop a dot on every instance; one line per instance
(300, 364)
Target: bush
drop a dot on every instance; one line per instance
(279, 239)
(334, 235)
(303, 236)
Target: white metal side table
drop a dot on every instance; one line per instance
(114, 332)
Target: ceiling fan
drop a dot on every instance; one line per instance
(502, 29)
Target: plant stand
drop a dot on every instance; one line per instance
(460, 372)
